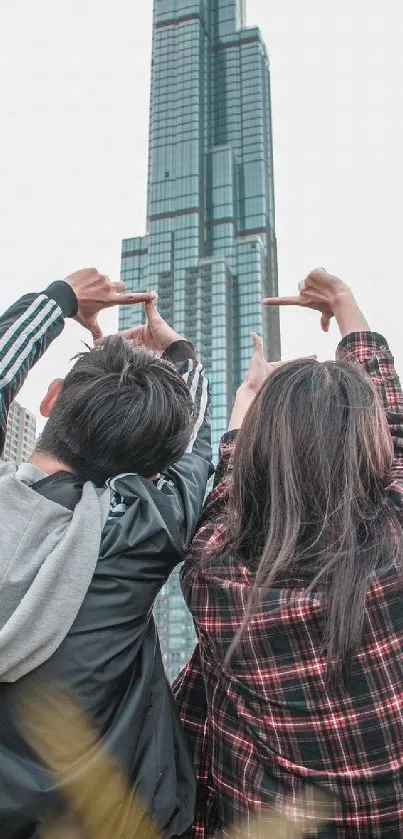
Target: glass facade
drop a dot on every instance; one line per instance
(210, 247)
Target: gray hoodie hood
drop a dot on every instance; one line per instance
(47, 559)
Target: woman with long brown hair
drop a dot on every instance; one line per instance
(294, 580)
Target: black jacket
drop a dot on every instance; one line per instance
(111, 658)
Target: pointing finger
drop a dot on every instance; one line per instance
(130, 299)
(282, 301)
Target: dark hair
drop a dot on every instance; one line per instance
(307, 501)
(121, 409)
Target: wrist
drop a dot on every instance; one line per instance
(343, 298)
(348, 314)
(64, 295)
(243, 400)
(247, 391)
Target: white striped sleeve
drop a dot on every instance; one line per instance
(20, 338)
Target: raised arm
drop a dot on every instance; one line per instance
(185, 482)
(27, 329)
(211, 520)
(371, 350)
(330, 296)
(30, 325)
(189, 477)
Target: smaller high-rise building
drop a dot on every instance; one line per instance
(21, 434)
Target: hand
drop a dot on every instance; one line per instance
(259, 368)
(156, 334)
(94, 292)
(320, 291)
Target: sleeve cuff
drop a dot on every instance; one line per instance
(229, 437)
(361, 345)
(179, 351)
(227, 445)
(63, 294)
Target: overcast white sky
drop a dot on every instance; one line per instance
(74, 86)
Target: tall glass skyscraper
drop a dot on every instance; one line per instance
(210, 247)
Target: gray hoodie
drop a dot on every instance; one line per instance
(47, 559)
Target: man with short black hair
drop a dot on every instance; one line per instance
(90, 530)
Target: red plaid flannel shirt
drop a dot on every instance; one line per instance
(266, 725)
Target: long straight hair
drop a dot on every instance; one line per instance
(307, 501)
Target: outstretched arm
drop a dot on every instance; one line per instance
(211, 523)
(371, 350)
(30, 325)
(187, 479)
(330, 296)
(26, 330)
(184, 483)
